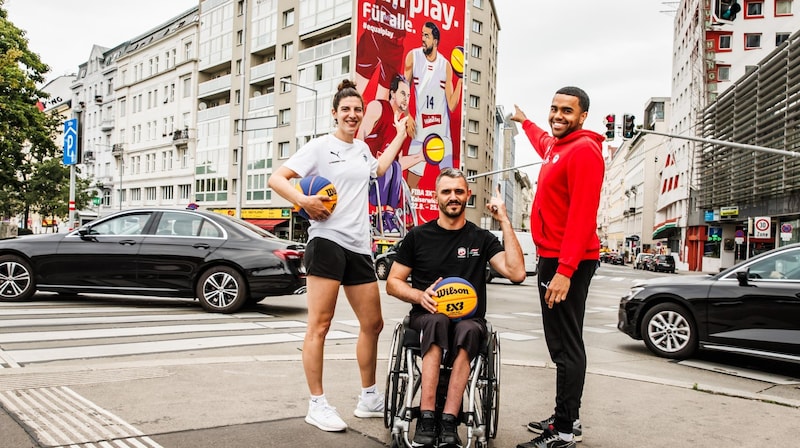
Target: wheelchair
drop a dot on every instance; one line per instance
(481, 395)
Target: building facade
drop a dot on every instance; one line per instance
(712, 49)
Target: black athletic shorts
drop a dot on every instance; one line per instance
(324, 258)
(436, 328)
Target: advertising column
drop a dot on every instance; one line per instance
(410, 62)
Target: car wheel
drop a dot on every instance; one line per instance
(669, 331)
(381, 270)
(222, 289)
(489, 276)
(16, 279)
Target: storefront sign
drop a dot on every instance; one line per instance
(729, 211)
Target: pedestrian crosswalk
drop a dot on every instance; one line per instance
(60, 331)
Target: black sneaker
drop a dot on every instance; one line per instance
(425, 434)
(448, 433)
(548, 439)
(538, 427)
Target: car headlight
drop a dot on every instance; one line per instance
(634, 290)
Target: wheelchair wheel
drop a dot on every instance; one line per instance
(394, 390)
(491, 397)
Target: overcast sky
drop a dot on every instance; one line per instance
(619, 52)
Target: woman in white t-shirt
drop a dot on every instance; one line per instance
(339, 250)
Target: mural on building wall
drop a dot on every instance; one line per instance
(410, 61)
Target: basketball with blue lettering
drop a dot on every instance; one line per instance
(456, 298)
(314, 185)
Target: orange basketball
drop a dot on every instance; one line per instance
(314, 185)
(456, 298)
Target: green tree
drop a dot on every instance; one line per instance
(49, 190)
(26, 134)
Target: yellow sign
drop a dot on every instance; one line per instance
(729, 211)
(258, 213)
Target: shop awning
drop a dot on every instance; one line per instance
(267, 224)
(664, 230)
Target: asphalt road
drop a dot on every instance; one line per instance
(177, 363)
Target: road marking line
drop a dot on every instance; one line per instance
(111, 319)
(499, 316)
(529, 314)
(516, 336)
(282, 324)
(6, 359)
(65, 335)
(139, 348)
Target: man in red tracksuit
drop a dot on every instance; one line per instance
(564, 227)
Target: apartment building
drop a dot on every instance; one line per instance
(136, 105)
(713, 48)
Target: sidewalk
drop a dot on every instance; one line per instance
(261, 402)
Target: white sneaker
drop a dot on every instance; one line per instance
(325, 417)
(371, 406)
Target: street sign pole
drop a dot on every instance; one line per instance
(71, 158)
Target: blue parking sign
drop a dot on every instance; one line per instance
(70, 142)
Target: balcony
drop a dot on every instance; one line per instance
(107, 125)
(214, 86)
(180, 138)
(262, 71)
(116, 150)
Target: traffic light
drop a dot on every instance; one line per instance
(727, 9)
(609, 122)
(628, 128)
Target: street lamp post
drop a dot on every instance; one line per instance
(315, 100)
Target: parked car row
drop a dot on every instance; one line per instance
(223, 262)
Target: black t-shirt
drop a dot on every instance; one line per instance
(432, 252)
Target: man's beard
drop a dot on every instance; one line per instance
(427, 50)
(448, 213)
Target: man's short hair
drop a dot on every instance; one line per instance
(396, 80)
(583, 98)
(450, 172)
(434, 30)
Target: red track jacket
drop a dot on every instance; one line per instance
(564, 212)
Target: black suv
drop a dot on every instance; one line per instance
(383, 262)
(661, 263)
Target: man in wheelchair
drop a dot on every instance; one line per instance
(450, 246)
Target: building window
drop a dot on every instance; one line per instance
(471, 175)
(723, 73)
(725, 42)
(472, 151)
(283, 150)
(318, 72)
(285, 86)
(474, 102)
(752, 41)
(288, 18)
(781, 38)
(477, 26)
(287, 50)
(237, 97)
(477, 3)
(150, 193)
(474, 76)
(475, 51)
(472, 126)
(239, 37)
(284, 117)
(185, 191)
(783, 7)
(238, 66)
(168, 193)
(187, 87)
(471, 202)
(754, 9)
(346, 65)
(136, 194)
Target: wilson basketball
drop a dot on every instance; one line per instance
(456, 298)
(314, 185)
(457, 61)
(433, 149)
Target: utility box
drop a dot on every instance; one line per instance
(7, 230)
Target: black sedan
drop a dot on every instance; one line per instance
(383, 262)
(222, 261)
(752, 308)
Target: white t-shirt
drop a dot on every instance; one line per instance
(349, 166)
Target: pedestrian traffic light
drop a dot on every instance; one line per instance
(609, 122)
(628, 128)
